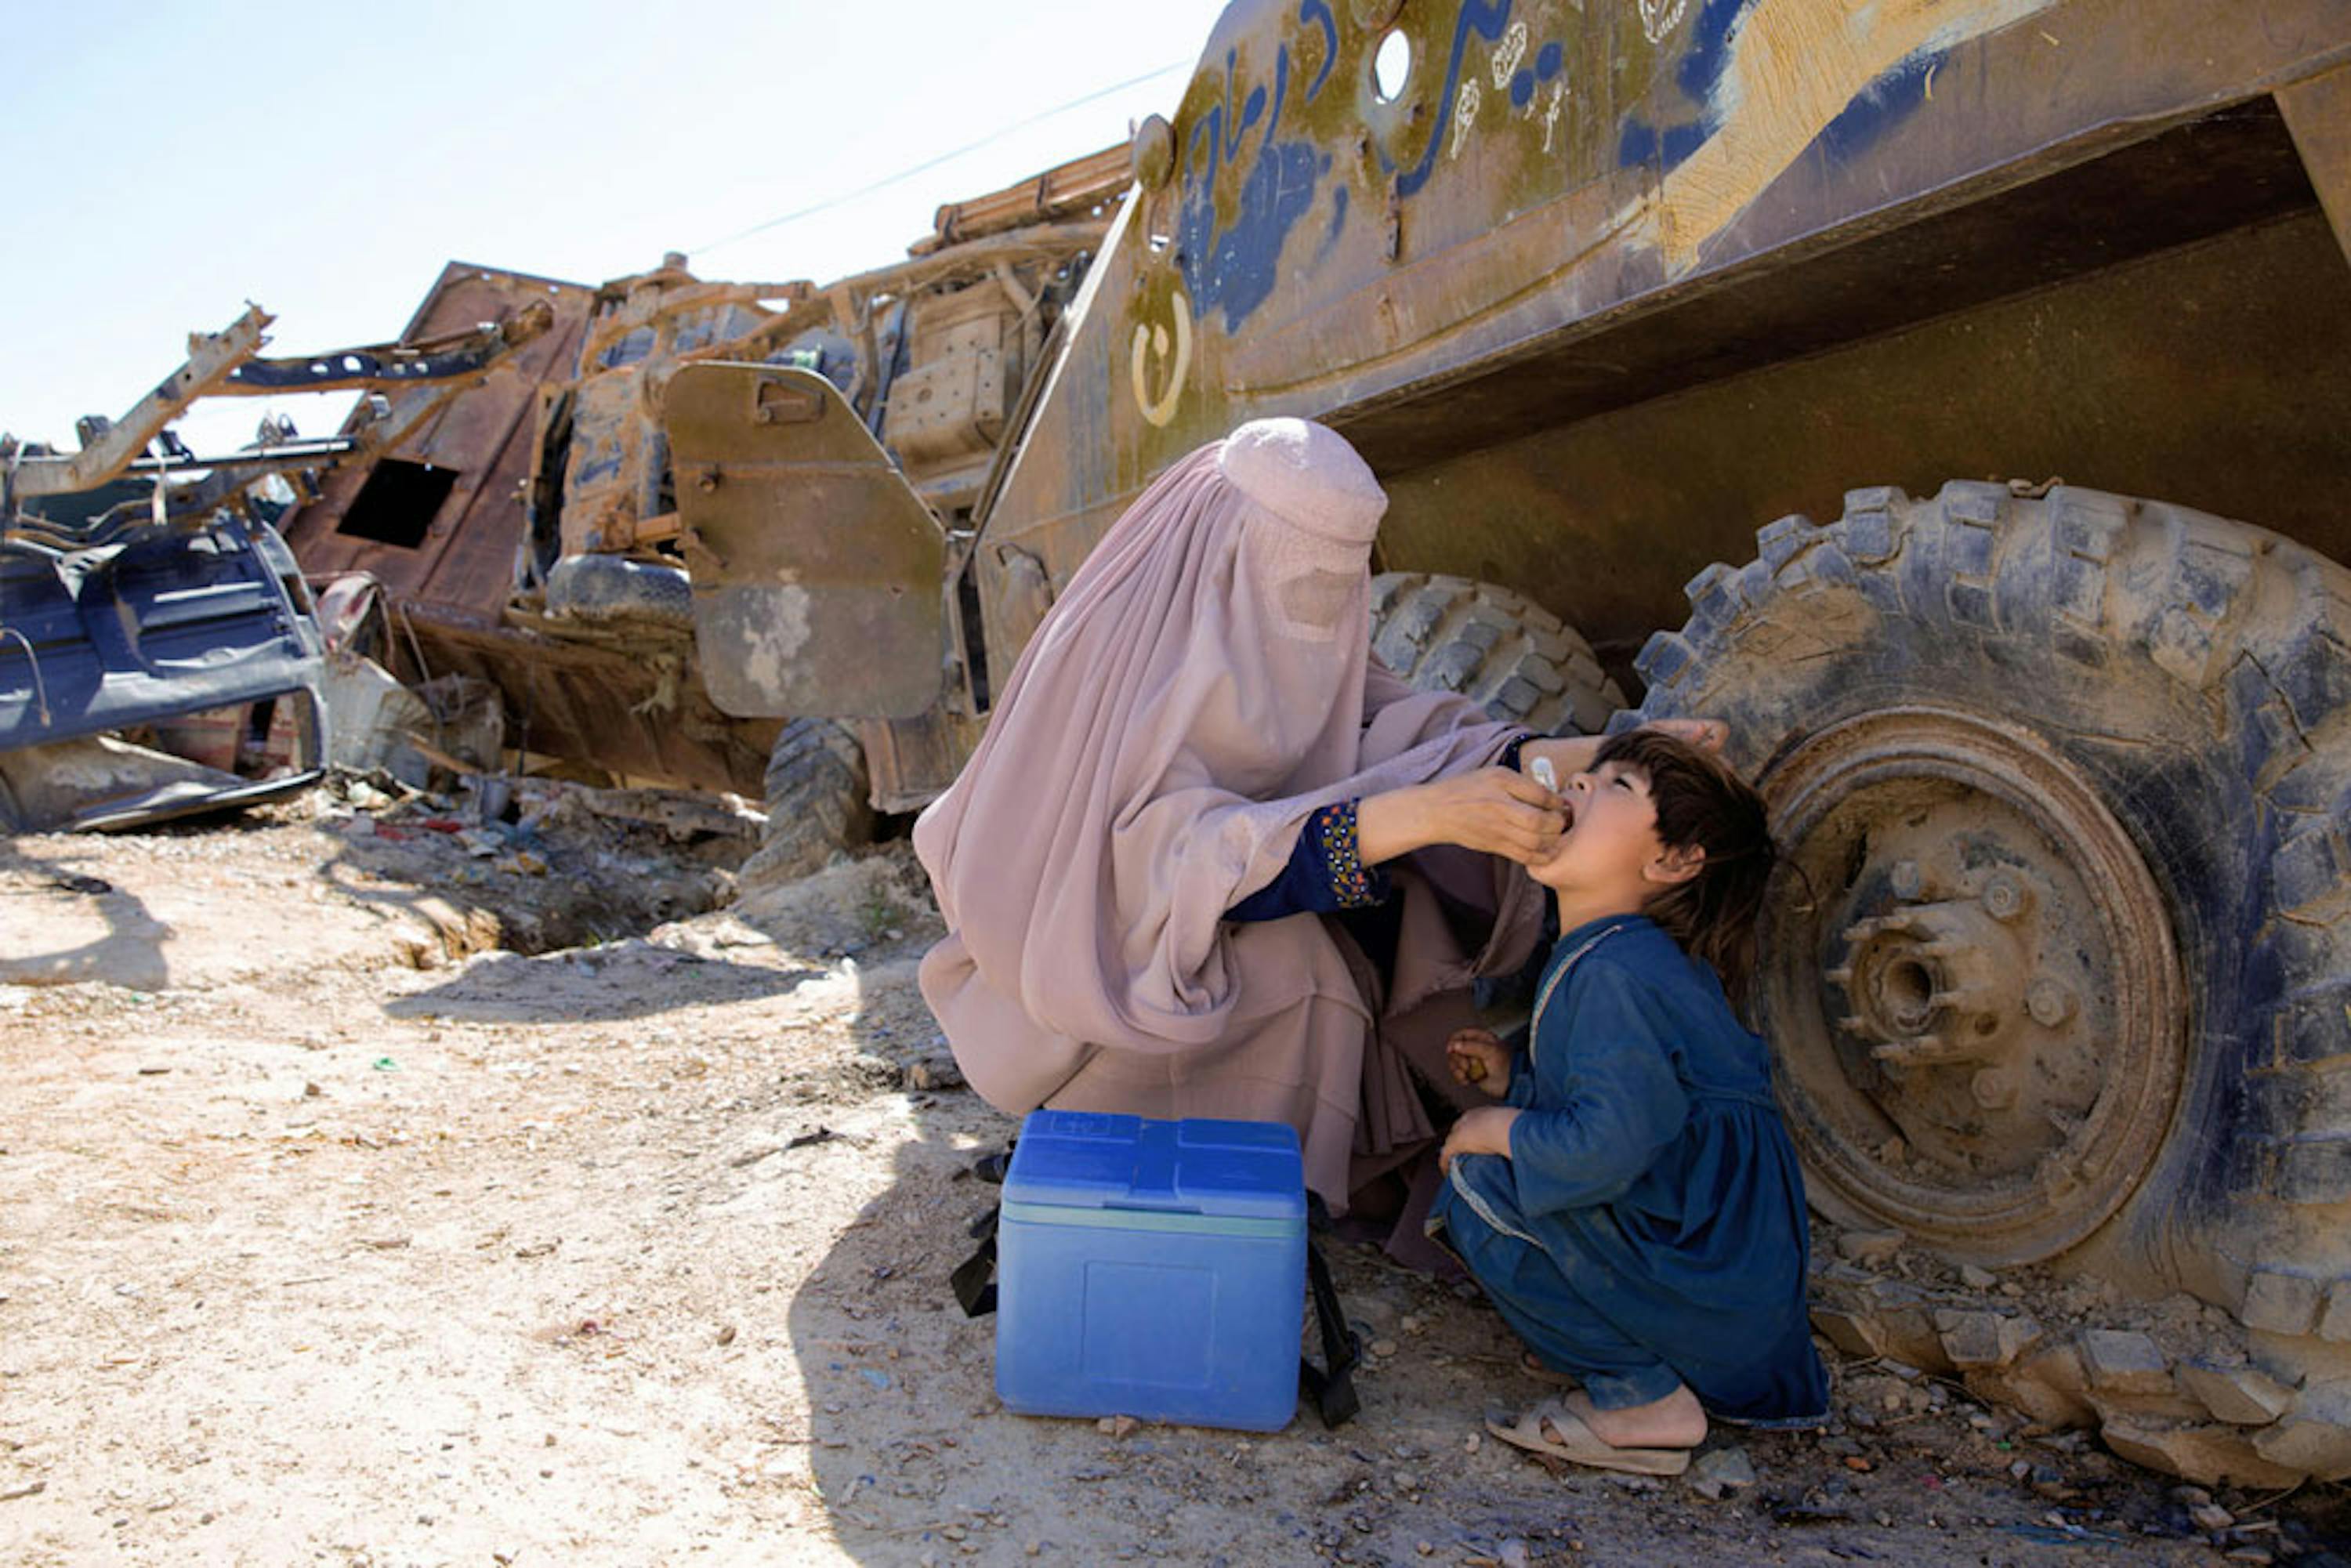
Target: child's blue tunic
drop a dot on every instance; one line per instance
(1648, 1228)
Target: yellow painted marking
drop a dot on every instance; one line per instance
(1151, 343)
(1795, 66)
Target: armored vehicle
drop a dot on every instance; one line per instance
(2028, 320)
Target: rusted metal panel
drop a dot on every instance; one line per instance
(770, 460)
(2319, 111)
(615, 469)
(910, 760)
(632, 710)
(1605, 519)
(1061, 192)
(460, 569)
(1552, 173)
(212, 359)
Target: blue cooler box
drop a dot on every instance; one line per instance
(1152, 1268)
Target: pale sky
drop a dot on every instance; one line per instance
(167, 163)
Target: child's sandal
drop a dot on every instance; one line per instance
(1577, 1444)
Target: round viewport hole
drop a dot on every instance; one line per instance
(1392, 66)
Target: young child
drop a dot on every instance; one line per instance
(1634, 1206)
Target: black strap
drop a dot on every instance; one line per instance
(1331, 1387)
(974, 1280)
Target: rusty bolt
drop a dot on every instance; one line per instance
(708, 479)
(1152, 153)
(1906, 880)
(2049, 1002)
(1994, 1089)
(2003, 896)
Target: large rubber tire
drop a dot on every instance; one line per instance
(1993, 658)
(605, 588)
(818, 799)
(1510, 655)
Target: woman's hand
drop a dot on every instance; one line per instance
(1494, 811)
(1475, 1056)
(1572, 754)
(1485, 1130)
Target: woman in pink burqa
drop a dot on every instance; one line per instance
(1211, 859)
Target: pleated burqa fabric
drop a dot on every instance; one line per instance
(1202, 688)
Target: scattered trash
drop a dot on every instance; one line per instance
(934, 1072)
(1869, 1246)
(385, 1064)
(1720, 1471)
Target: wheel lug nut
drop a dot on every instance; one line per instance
(1994, 1089)
(2003, 896)
(2049, 1002)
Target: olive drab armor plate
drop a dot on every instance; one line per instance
(816, 570)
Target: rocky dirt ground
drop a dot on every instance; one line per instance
(379, 1189)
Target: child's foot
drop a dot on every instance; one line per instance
(1676, 1421)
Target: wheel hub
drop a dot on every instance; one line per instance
(1977, 1004)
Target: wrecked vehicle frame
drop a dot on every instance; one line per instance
(133, 599)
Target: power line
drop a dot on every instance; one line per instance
(846, 197)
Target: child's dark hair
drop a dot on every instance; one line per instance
(1701, 801)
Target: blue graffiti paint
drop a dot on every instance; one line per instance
(1485, 20)
(1338, 220)
(1696, 74)
(1709, 54)
(1884, 104)
(1319, 11)
(1640, 143)
(1549, 61)
(1236, 268)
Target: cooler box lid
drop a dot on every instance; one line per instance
(1079, 1159)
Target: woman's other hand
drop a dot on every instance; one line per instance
(1475, 1056)
(1493, 809)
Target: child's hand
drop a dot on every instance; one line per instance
(1485, 1130)
(1476, 1057)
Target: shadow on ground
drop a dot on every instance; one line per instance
(128, 949)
